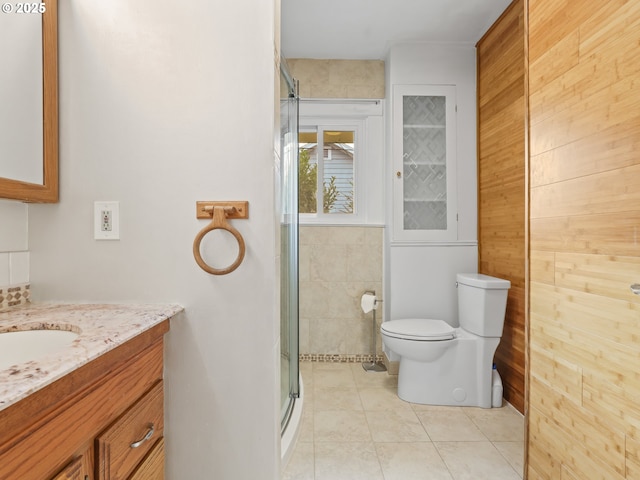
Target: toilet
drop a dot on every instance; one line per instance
(443, 365)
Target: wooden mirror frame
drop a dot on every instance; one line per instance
(48, 192)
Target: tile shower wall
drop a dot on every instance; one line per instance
(338, 78)
(337, 265)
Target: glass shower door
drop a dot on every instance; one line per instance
(289, 340)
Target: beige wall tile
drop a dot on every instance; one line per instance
(303, 334)
(309, 71)
(328, 263)
(339, 78)
(313, 300)
(304, 91)
(356, 72)
(364, 263)
(304, 261)
(365, 91)
(337, 265)
(328, 90)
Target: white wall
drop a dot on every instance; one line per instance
(421, 278)
(163, 104)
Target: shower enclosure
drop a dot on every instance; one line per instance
(289, 368)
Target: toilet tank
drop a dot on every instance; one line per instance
(482, 303)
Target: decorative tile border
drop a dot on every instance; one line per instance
(14, 295)
(338, 357)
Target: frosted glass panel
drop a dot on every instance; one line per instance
(424, 162)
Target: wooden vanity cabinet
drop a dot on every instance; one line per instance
(80, 468)
(152, 467)
(126, 442)
(82, 426)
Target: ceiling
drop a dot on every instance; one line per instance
(365, 29)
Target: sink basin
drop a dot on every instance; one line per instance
(24, 346)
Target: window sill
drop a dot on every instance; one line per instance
(310, 221)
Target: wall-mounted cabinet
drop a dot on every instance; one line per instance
(424, 163)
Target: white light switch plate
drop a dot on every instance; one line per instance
(106, 220)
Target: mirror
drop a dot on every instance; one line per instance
(29, 99)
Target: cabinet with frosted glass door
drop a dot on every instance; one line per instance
(424, 163)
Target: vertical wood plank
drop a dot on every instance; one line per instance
(501, 183)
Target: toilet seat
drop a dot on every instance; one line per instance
(420, 329)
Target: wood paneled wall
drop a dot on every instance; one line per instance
(501, 183)
(584, 375)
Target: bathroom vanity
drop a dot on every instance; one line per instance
(93, 409)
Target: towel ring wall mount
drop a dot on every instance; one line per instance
(219, 212)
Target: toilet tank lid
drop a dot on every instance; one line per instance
(418, 329)
(482, 281)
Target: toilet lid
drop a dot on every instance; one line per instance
(418, 329)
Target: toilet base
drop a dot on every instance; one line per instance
(462, 377)
(445, 391)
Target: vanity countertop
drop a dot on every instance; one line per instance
(101, 328)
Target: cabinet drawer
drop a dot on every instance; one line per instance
(125, 443)
(152, 467)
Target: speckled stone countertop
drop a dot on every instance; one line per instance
(100, 327)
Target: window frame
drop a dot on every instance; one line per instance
(320, 115)
(320, 127)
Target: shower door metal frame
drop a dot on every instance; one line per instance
(289, 308)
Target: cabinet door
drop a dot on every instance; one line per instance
(80, 468)
(424, 159)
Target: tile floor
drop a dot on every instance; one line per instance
(355, 427)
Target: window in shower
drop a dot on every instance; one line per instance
(341, 151)
(327, 169)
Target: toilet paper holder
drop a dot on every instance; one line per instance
(369, 301)
(372, 366)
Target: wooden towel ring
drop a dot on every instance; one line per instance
(219, 221)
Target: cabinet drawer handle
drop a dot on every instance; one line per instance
(147, 436)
